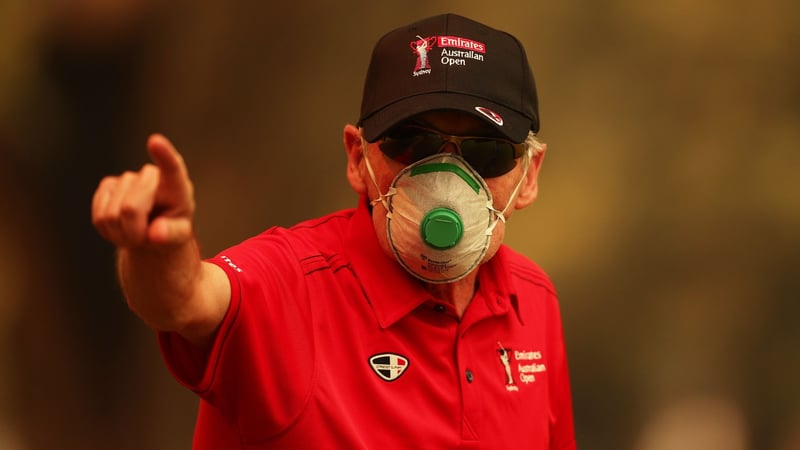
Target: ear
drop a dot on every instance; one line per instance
(530, 187)
(355, 156)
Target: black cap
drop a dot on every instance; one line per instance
(449, 62)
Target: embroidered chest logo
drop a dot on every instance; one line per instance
(388, 366)
(524, 364)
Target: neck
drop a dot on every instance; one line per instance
(459, 293)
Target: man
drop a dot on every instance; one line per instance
(402, 323)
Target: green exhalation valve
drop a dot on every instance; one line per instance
(441, 228)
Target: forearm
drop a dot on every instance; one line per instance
(161, 283)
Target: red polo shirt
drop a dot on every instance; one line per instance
(329, 343)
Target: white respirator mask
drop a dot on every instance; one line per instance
(440, 216)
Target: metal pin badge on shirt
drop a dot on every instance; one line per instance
(388, 366)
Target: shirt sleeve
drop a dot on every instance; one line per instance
(260, 366)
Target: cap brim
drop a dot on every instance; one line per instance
(514, 126)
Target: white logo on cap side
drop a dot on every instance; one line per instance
(491, 115)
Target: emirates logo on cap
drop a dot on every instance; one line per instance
(456, 51)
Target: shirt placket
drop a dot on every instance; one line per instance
(469, 389)
(467, 361)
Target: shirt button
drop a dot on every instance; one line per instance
(469, 376)
(439, 308)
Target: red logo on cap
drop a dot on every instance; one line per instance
(421, 47)
(459, 42)
(491, 115)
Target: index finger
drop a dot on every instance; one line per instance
(166, 157)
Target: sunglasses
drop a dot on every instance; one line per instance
(489, 156)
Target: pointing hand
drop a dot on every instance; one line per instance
(153, 206)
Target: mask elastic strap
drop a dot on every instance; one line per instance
(382, 198)
(501, 215)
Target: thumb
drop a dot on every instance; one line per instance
(169, 230)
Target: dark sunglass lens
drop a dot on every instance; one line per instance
(426, 145)
(391, 148)
(489, 157)
(407, 146)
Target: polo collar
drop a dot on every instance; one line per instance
(390, 290)
(497, 286)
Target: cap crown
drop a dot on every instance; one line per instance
(453, 63)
